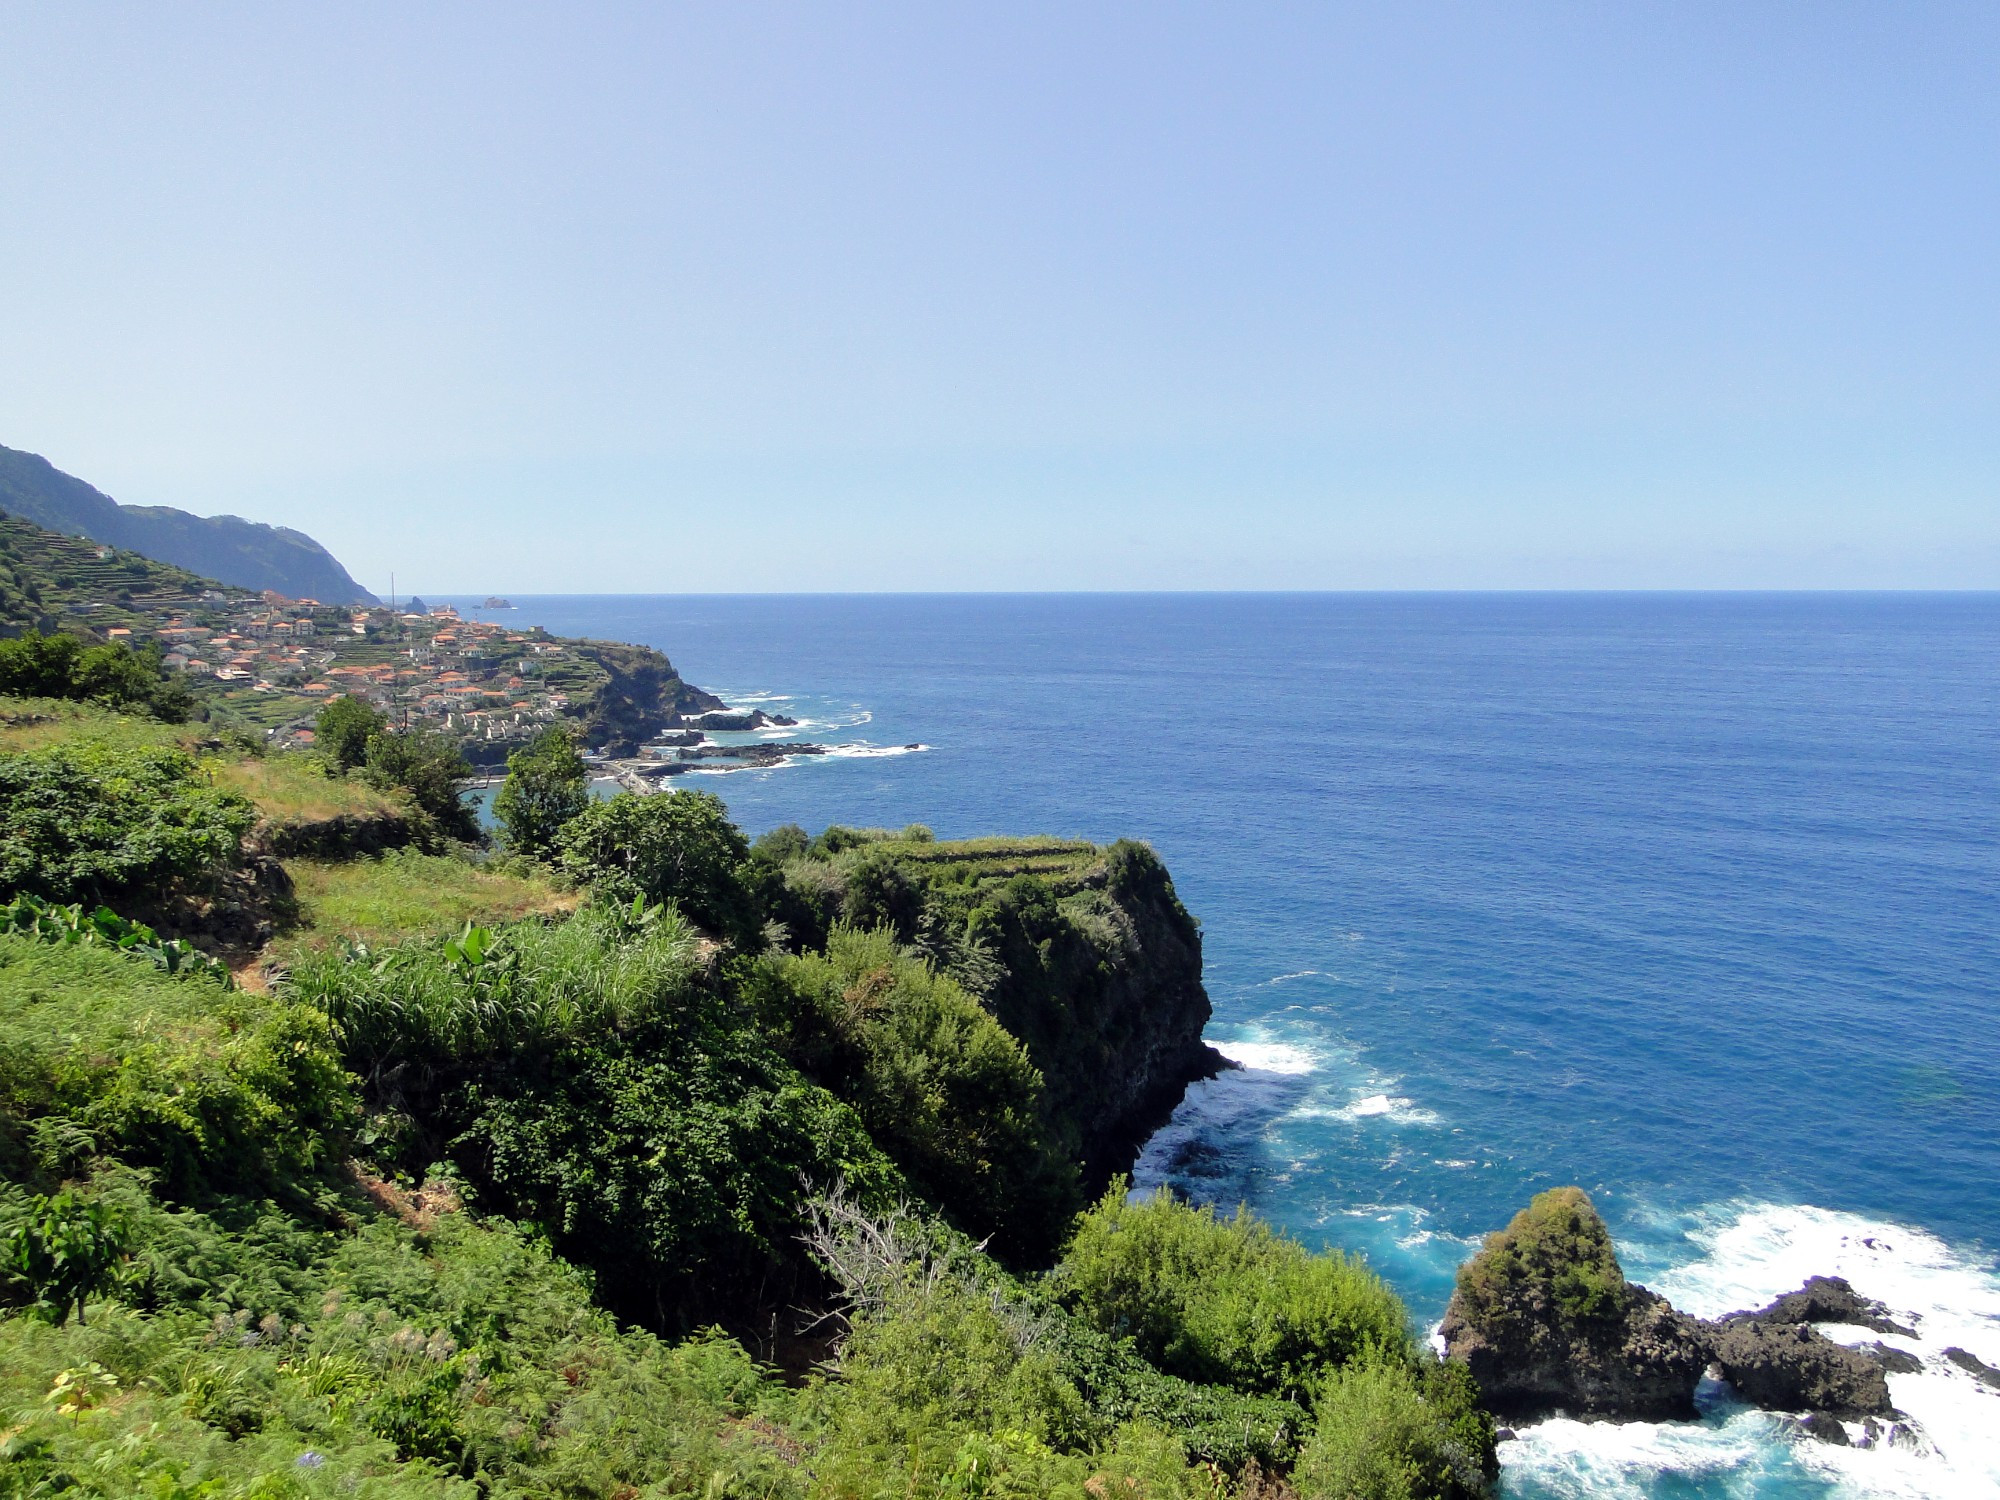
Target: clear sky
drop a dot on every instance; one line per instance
(745, 296)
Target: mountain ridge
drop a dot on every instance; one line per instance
(230, 549)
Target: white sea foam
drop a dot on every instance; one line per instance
(866, 752)
(1297, 974)
(1391, 1107)
(1626, 1460)
(1746, 1255)
(1268, 1057)
(1267, 1081)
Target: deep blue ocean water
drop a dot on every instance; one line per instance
(1691, 900)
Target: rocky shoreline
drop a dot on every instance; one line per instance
(1547, 1324)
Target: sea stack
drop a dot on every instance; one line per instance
(1546, 1321)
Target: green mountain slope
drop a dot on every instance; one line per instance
(51, 579)
(248, 554)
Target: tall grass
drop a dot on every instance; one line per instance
(490, 992)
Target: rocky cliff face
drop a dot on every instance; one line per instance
(1084, 953)
(1105, 992)
(641, 696)
(1546, 1322)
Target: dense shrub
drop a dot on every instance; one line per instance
(1556, 1248)
(1225, 1301)
(255, 1356)
(97, 824)
(1398, 1430)
(61, 666)
(547, 785)
(947, 1093)
(213, 1090)
(596, 1078)
(429, 765)
(677, 847)
(344, 727)
(487, 994)
(56, 1252)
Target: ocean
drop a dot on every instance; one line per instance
(1692, 900)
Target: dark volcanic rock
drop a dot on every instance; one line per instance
(1974, 1366)
(1791, 1367)
(1893, 1361)
(1545, 1320)
(1827, 1299)
(769, 753)
(726, 720)
(1826, 1429)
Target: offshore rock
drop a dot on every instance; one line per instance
(1899, 1361)
(1974, 1366)
(1786, 1366)
(1826, 1299)
(1546, 1321)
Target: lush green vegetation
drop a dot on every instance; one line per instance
(77, 926)
(61, 666)
(406, 894)
(49, 579)
(423, 764)
(547, 787)
(1226, 1301)
(87, 823)
(678, 847)
(454, 1209)
(1558, 1242)
(343, 728)
(294, 791)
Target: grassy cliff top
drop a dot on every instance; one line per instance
(976, 863)
(287, 789)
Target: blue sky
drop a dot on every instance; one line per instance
(745, 296)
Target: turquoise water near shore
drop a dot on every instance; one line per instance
(1692, 900)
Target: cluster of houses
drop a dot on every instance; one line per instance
(472, 678)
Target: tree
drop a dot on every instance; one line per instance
(60, 1251)
(666, 846)
(547, 785)
(39, 666)
(61, 666)
(430, 767)
(344, 728)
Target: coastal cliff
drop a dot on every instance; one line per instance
(1083, 953)
(640, 696)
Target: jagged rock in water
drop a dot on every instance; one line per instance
(1826, 1429)
(1974, 1366)
(1546, 1321)
(1827, 1299)
(1789, 1366)
(1895, 1361)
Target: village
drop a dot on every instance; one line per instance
(274, 661)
